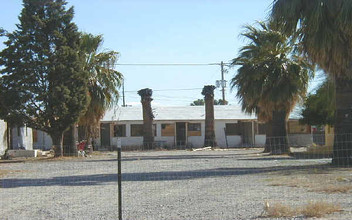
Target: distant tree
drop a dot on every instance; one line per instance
(197, 102)
(43, 83)
(270, 80)
(319, 108)
(220, 102)
(201, 102)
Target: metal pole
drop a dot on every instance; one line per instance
(119, 180)
(222, 82)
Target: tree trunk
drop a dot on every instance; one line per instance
(342, 152)
(277, 140)
(70, 141)
(148, 135)
(268, 132)
(57, 139)
(208, 92)
(89, 142)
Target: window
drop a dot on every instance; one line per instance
(260, 128)
(167, 129)
(232, 129)
(194, 129)
(119, 130)
(137, 130)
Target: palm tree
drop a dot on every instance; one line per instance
(324, 29)
(103, 83)
(269, 81)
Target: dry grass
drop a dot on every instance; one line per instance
(334, 189)
(312, 209)
(318, 149)
(5, 172)
(278, 210)
(319, 209)
(334, 181)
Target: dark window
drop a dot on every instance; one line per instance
(119, 130)
(194, 127)
(233, 129)
(137, 130)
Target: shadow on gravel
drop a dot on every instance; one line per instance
(168, 157)
(98, 179)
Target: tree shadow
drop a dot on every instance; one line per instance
(100, 179)
(168, 157)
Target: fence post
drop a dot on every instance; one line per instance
(119, 178)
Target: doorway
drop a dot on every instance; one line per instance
(247, 134)
(180, 134)
(105, 134)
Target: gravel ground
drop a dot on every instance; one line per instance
(231, 184)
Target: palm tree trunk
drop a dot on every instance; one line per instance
(57, 139)
(342, 152)
(277, 139)
(148, 136)
(268, 132)
(209, 139)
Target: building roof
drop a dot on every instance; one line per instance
(177, 113)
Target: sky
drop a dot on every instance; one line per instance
(164, 32)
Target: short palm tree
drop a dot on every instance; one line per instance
(270, 80)
(324, 29)
(103, 83)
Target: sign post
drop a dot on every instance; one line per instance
(119, 177)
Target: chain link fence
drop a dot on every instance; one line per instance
(183, 182)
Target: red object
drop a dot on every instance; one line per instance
(81, 145)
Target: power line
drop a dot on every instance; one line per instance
(161, 90)
(169, 64)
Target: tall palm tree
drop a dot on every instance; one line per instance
(103, 83)
(270, 80)
(324, 29)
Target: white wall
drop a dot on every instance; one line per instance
(24, 139)
(44, 141)
(3, 140)
(193, 141)
(260, 140)
(300, 139)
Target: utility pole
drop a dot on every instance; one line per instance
(123, 93)
(222, 82)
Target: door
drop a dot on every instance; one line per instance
(247, 134)
(180, 134)
(105, 134)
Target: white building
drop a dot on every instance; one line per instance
(182, 126)
(3, 137)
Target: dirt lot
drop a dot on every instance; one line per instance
(230, 184)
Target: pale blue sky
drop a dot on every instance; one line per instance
(164, 31)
